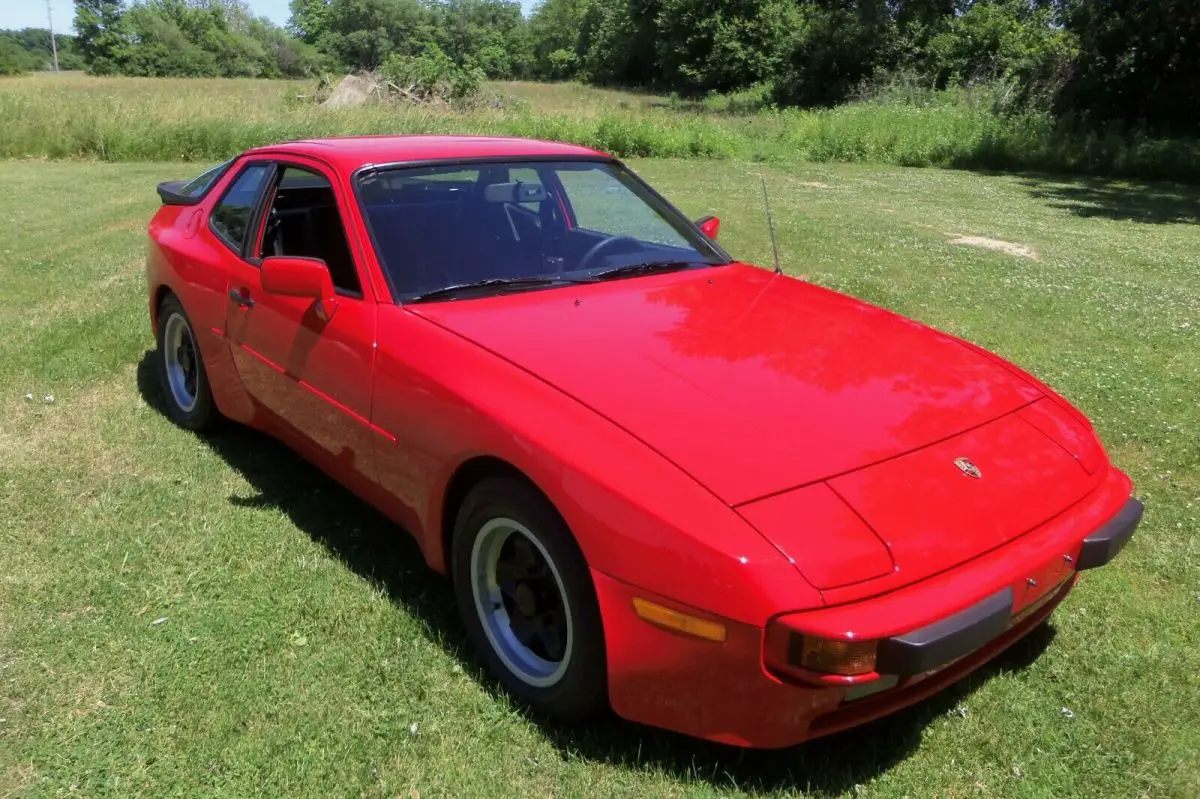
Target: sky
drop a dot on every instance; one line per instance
(16, 14)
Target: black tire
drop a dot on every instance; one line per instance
(580, 692)
(203, 414)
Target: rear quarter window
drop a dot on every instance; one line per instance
(231, 218)
(199, 185)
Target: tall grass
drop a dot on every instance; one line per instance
(130, 119)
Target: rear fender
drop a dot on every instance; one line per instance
(172, 266)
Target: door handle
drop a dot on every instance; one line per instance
(241, 297)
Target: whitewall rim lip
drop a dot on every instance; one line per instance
(526, 603)
(182, 362)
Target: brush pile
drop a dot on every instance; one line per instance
(428, 78)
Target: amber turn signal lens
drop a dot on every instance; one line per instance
(838, 657)
(680, 622)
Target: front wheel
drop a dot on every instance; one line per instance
(527, 601)
(186, 394)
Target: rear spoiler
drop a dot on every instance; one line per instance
(171, 194)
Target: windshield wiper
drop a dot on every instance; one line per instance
(498, 283)
(645, 268)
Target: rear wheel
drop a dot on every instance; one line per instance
(527, 601)
(185, 389)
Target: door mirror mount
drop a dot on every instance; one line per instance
(709, 226)
(300, 277)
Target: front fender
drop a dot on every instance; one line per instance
(636, 516)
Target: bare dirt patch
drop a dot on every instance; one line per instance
(996, 245)
(17, 778)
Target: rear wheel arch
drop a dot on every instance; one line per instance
(160, 296)
(187, 396)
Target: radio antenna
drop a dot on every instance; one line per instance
(771, 226)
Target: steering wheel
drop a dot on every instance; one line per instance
(271, 233)
(600, 246)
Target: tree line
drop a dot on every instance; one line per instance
(29, 49)
(1136, 62)
(1096, 61)
(181, 38)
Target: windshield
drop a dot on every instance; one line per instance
(458, 230)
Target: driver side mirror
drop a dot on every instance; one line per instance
(300, 277)
(709, 226)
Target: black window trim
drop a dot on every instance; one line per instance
(171, 191)
(366, 170)
(279, 164)
(255, 208)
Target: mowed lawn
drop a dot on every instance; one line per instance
(189, 616)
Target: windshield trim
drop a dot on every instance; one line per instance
(367, 170)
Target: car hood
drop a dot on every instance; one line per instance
(751, 382)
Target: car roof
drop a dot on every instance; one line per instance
(352, 152)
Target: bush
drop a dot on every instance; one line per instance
(431, 76)
(164, 119)
(14, 60)
(564, 64)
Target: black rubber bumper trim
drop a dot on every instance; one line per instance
(946, 640)
(1103, 545)
(968, 630)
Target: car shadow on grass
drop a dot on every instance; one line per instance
(372, 547)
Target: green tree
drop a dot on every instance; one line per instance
(1007, 40)
(309, 19)
(556, 38)
(491, 34)
(285, 55)
(202, 38)
(1138, 62)
(360, 34)
(163, 48)
(835, 47)
(718, 45)
(101, 34)
(617, 42)
(561, 65)
(14, 59)
(29, 49)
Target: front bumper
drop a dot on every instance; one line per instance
(724, 692)
(1103, 545)
(945, 641)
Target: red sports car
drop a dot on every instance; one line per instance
(716, 498)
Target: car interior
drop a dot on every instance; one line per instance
(441, 231)
(304, 221)
(483, 222)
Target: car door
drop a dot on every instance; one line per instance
(310, 369)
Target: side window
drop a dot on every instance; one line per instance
(604, 204)
(231, 217)
(304, 221)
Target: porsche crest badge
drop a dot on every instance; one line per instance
(966, 467)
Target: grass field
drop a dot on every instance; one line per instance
(304, 650)
(155, 119)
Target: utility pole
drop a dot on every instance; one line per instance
(53, 44)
